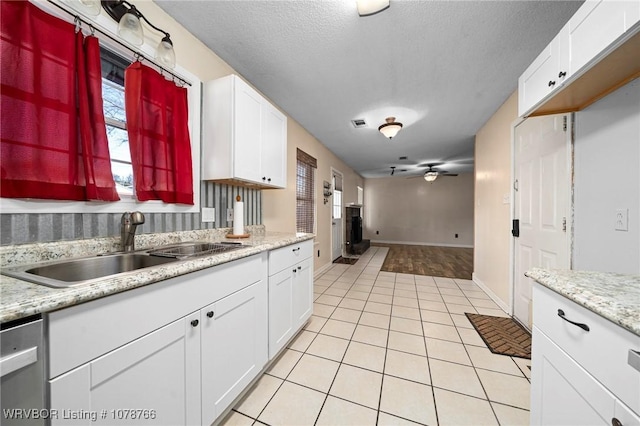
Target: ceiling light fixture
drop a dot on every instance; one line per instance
(371, 7)
(391, 128)
(130, 29)
(430, 175)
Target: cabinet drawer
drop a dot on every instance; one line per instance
(602, 351)
(285, 257)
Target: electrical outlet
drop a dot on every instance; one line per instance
(208, 214)
(229, 215)
(622, 220)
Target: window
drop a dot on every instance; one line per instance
(305, 192)
(113, 67)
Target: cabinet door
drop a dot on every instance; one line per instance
(274, 147)
(247, 132)
(596, 25)
(540, 78)
(562, 392)
(625, 415)
(302, 293)
(281, 326)
(153, 380)
(234, 347)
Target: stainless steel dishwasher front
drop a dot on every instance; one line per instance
(22, 373)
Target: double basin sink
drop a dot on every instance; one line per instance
(73, 272)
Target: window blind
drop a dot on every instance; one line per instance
(305, 188)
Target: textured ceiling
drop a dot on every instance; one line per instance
(442, 68)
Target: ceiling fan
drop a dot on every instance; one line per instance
(432, 174)
(393, 170)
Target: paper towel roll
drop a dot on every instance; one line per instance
(238, 218)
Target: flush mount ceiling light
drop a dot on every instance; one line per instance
(430, 175)
(391, 128)
(130, 29)
(371, 7)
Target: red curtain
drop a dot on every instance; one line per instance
(157, 116)
(41, 152)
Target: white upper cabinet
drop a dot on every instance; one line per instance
(244, 136)
(596, 25)
(546, 74)
(594, 53)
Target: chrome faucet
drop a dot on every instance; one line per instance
(128, 224)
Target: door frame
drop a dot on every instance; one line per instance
(332, 172)
(512, 246)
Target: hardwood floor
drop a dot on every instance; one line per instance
(451, 262)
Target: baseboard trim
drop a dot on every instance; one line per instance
(506, 308)
(421, 243)
(321, 270)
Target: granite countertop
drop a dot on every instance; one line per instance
(20, 299)
(615, 297)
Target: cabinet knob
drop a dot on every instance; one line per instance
(295, 270)
(615, 422)
(299, 268)
(210, 314)
(562, 74)
(195, 323)
(269, 180)
(264, 178)
(552, 83)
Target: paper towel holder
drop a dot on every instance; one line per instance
(237, 236)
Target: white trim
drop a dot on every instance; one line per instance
(421, 243)
(106, 24)
(512, 210)
(321, 270)
(506, 308)
(342, 218)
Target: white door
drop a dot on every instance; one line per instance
(542, 202)
(336, 217)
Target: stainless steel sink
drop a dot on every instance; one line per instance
(73, 272)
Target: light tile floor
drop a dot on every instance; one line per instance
(390, 349)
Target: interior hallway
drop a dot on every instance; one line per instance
(390, 349)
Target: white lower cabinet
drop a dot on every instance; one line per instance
(234, 347)
(290, 293)
(162, 355)
(152, 380)
(580, 376)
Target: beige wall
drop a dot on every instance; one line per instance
(278, 206)
(412, 211)
(492, 215)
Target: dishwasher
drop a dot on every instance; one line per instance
(22, 373)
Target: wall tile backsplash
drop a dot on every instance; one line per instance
(44, 227)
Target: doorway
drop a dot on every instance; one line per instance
(336, 215)
(542, 202)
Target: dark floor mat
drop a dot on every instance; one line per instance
(503, 335)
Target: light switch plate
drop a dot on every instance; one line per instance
(208, 214)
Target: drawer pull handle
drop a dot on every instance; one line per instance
(615, 422)
(585, 327)
(210, 314)
(195, 323)
(296, 249)
(634, 359)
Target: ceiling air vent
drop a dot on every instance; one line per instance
(359, 122)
